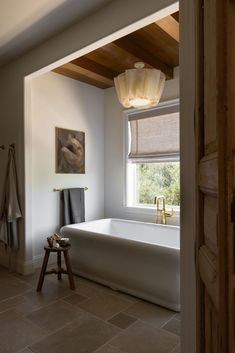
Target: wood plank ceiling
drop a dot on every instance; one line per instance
(157, 45)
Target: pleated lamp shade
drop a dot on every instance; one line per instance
(140, 87)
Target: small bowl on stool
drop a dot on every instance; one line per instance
(63, 242)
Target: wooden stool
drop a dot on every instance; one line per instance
(59, 269)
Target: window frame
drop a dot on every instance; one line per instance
(165, 106)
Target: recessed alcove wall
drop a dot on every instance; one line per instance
(58, 101)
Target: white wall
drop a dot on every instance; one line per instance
(58, 101)
(114, 161)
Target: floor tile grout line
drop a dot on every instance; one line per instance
(113, 292)
(170, 332)
(114, 296)
(142, 320)
(97, 290)
(70, 295)
(9, 298)
(47, 334)
(172, 318)
(94, 316)
(119, 351)
(69, 323)
(123, 330)
(121, 312)
(43, 306)
(83, 301)
(26, 347)
(104, 319)
(159, 328)
(178, 344)
(115, 336)
(110, 317)
(175, 316)
(15, 296)
(12, 308)
(24, 281)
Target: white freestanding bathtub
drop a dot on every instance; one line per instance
(142, 259)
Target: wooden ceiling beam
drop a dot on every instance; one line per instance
(169, 25)
(84, 75)
(175, 15)
(157, 42)
(143, 55)
(95, 67)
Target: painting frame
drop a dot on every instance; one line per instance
(69, 151)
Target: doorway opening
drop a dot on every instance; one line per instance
(83, 62)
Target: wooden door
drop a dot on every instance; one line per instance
(230, 168)
(213, 208)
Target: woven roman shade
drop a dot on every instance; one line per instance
(154, 136)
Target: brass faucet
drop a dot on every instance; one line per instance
(164, 213)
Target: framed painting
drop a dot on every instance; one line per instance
(70, 151)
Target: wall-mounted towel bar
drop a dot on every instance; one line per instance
(55, 190)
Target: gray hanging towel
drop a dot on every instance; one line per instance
(73, 206)
(10, 207)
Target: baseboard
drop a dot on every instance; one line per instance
(26, 267)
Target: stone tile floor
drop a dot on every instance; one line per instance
(91, 319)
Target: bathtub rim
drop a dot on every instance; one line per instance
(83, 232)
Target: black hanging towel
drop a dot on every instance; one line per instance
(10, 208)
(73, 206)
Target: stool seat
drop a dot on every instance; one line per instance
(55, 249)
(59, 270)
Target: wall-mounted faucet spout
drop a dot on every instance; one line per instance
(160, 201)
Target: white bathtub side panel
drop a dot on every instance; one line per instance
(143, 270)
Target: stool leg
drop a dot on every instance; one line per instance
(59, 264)
(43, 270)
(69, 270)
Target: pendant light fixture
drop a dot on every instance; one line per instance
(140, 87)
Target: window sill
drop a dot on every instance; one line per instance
(147, 210)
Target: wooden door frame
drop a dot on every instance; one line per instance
(188, 172)
(230, 166)
(220, 149)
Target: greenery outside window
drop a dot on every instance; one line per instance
(152, 156)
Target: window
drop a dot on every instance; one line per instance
(152, 155)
